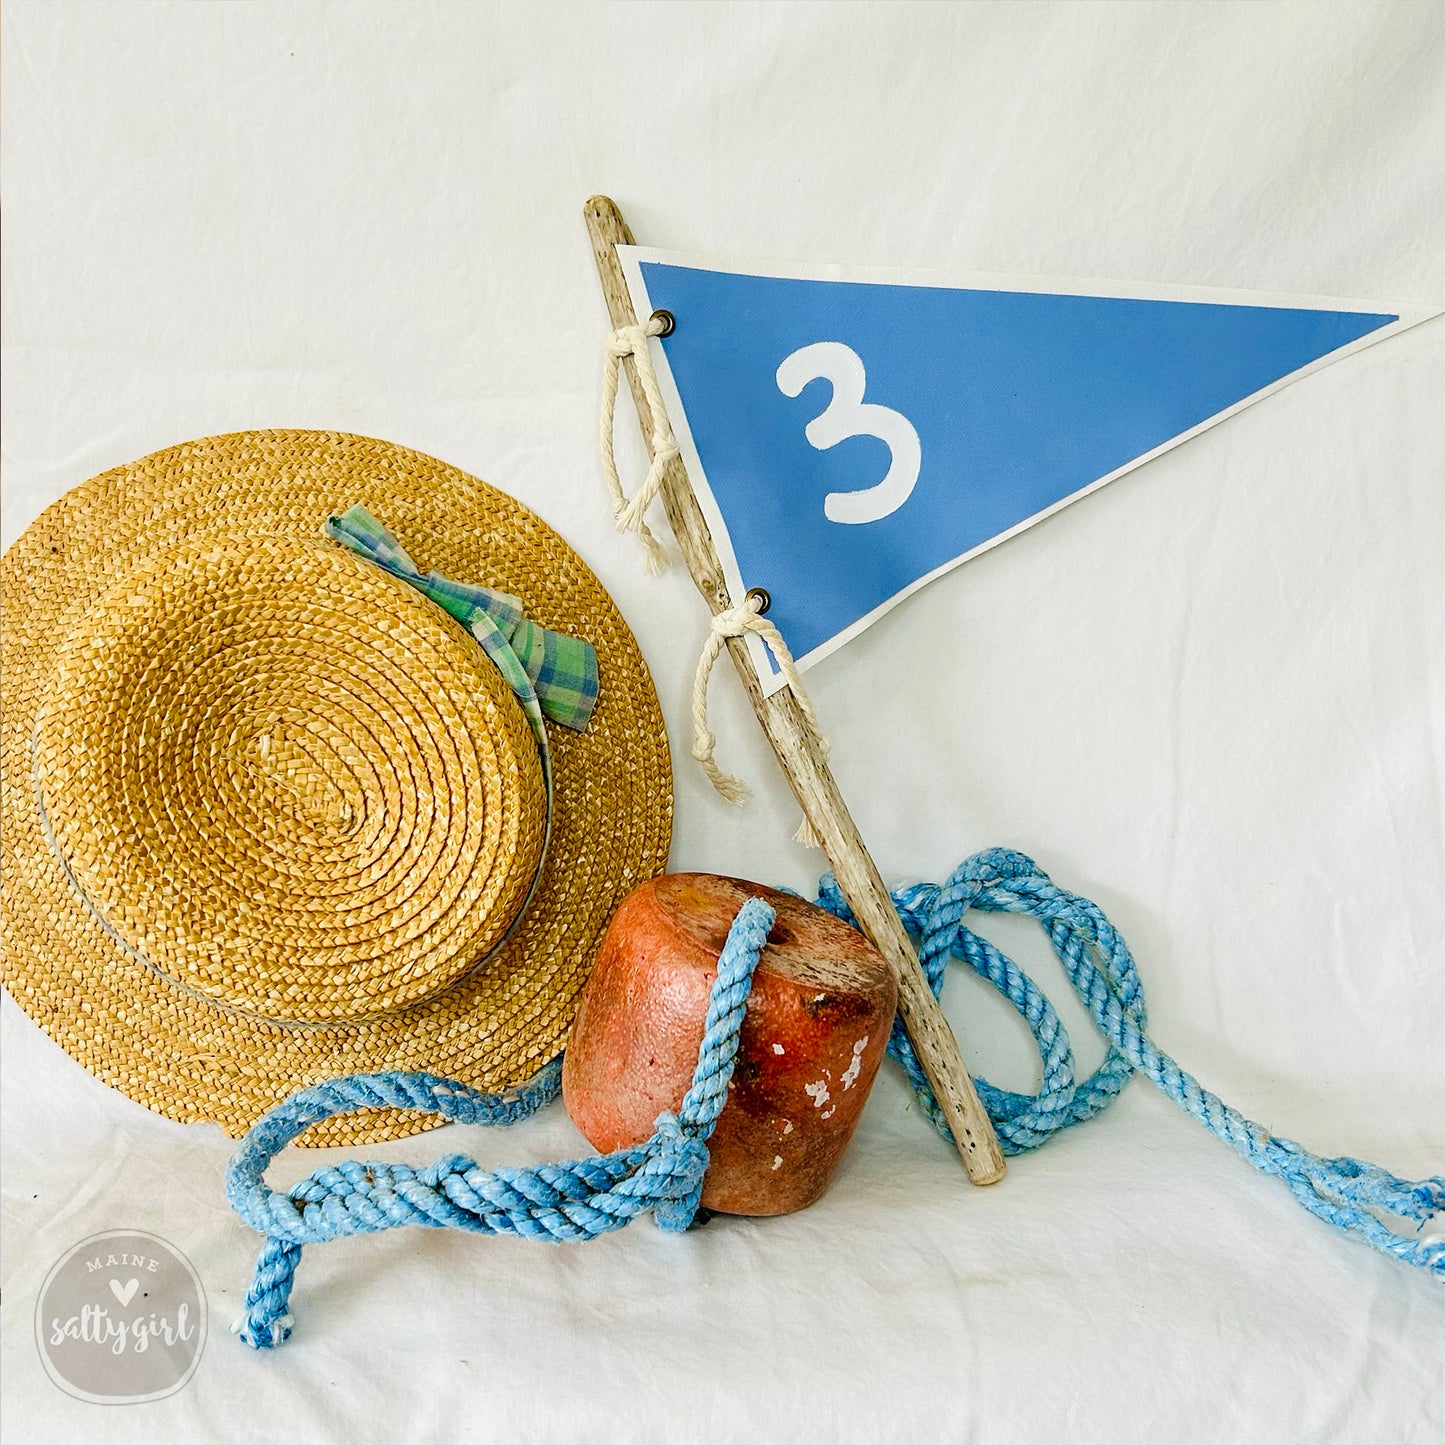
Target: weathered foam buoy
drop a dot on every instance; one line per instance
(815, 1031)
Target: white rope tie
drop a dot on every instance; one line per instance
(630, 512)
(737, 622)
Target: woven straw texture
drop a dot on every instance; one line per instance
(297, 807)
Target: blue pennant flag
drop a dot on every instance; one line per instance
(851, 439)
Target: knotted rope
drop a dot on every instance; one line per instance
(579, 1199)
(738, 622)
(632, 341)
(731, 622)
(585, 1198)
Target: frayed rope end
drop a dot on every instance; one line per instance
(656, 554)
(263, 1334)
(728, 788)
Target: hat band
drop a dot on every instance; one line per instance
(550, 674)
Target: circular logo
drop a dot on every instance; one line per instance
(121, 1318)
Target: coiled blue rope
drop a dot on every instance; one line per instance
(584, 1198)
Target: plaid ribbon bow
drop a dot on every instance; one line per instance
(551, 673)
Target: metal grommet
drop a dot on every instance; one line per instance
(761, 597)
(669, 322)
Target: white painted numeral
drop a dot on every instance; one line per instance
(848, 415)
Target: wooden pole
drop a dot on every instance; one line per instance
(795, 744)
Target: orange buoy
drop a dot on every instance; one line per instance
(815, 1031)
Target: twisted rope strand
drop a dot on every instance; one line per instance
(582, 1199)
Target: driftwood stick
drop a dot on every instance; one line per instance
(806, 769)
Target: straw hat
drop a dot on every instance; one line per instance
(271, 816)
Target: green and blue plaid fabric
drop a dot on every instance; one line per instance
(547, 670)
(550, 673)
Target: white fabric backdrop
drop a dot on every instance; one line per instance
(1210, 696)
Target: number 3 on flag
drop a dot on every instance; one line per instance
(848, 415)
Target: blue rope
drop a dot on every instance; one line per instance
(579, 1199)
(585, 1198)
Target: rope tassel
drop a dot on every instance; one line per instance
(738, 622)
(632, 341)
(585, 1198)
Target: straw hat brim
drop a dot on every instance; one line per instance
(185, 1056)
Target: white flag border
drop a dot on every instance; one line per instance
(632, 257)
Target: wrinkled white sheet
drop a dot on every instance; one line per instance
(1210, 696)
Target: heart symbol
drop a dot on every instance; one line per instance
(125, 1293)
